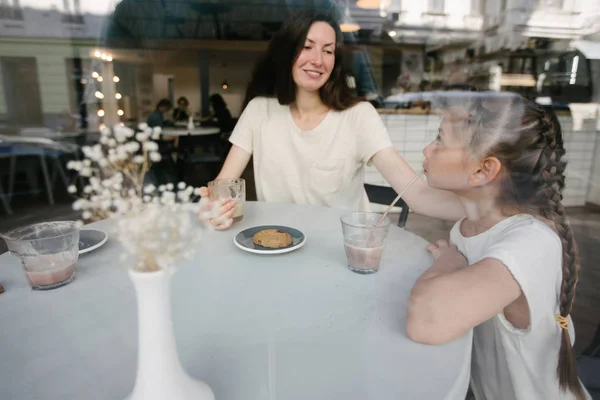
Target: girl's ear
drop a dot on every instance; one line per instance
(486, 172)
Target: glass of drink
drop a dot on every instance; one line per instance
(47, 251)
(364, 243)
(225, 189)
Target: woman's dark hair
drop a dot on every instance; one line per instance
(528, 142)
(184, 99)
(164, 103)
(272, 75)
(217, 102)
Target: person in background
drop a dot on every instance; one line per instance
(158, 117)
(510, 271)
(221, 116)
(181, 113)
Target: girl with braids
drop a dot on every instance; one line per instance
(511, 269)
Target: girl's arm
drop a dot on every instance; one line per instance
(421, 198)
(451, 298)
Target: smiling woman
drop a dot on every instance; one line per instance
(307, 44)
(309, 134)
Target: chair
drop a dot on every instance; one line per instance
(41, 149)
(385, 195)
(211, 155)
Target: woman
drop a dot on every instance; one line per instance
(157, 118)
(181, 113)
(221, 115)
(310, 136)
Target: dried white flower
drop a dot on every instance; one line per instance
(155, 156)
(151, 224)
(80, 204)
(142, 126)
(72, 189)
(197, 191)
(133, 147)
(120, 137)
(149, 189)
(75, 165)
(150, 146)
(128, 132)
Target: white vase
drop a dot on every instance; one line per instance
(160, 375)
(190, 124)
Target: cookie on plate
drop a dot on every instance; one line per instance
(272, 238)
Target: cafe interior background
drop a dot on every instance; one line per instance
(69, 68)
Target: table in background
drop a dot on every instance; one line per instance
(199, 131)
(294, 326)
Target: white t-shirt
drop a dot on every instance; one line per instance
(510, 363)
(324, 166)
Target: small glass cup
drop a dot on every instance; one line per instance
(364, 243)
(225, 189)
(47, 251)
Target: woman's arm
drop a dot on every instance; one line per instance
(421, 198)
(235, 163)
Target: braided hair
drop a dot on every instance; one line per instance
(530, 150)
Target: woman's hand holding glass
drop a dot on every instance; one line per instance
(219, 213)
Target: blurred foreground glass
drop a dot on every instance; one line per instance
(364, 243)
(47, 251)
(224, 189)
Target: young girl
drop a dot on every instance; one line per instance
(309, 136)
(511, 270)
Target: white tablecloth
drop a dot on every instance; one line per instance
(294, 326)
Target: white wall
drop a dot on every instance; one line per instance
(160, 85)
(594, 190)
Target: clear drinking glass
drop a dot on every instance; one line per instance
(47, 251)
(224, 189)
(364, 243)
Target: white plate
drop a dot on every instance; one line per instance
(243, 240)
(91, 239)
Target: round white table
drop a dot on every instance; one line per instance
(199, 131)
(293, 326)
